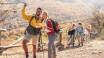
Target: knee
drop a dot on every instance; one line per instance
(49, 44)
(24, 43)
(34, 46)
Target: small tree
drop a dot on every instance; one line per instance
(98, 20)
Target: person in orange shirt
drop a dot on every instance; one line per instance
(33, 30)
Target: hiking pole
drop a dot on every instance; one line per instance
(42, 44)
(39, 42)
(43, 49)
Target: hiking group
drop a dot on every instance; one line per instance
(38, 23)
(82, 34)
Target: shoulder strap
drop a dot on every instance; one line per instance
(42, 19)
(31, 19)
(36, 19)
(47, 22)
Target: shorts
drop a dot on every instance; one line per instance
(34, 38)
(79, 33)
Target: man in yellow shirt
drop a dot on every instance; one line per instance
(33, 30)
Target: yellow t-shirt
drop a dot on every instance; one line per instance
(33, 22)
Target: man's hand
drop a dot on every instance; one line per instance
(44, 27)
(25, 5)
(38, 27)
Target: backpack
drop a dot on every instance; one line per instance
(55, 25)
(30, 29)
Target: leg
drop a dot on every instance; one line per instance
(54, 47)
(78, 40)
(34, 51)
(54, 51)
(25, 48)
(51, 42)
(34, 42)
(50, 49)
(82, 40)
(25, 41)
(69, 41)
(73, 40)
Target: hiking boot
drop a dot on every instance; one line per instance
(73, 45)
(78, 45)
(27, 55)
(81, 43)
(34, 56)
(68, 46)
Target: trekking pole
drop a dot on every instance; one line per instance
(39, 42)
(0, 39)
(43, 49)
(42, 46)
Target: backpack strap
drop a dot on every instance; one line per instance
(42, 20)
(31, 19)
(47, 22)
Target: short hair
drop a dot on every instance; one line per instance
(39, 8)
(80, 23)
(73, 24)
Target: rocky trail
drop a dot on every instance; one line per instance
(91, 49)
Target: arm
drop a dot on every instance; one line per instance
(39, 24)
(82, 29)
(26, 17)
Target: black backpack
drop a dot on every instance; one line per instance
(30, 29)
(55, 25)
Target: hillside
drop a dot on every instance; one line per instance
(62, 12)
(65, 12)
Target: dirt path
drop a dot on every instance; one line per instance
(92, 49)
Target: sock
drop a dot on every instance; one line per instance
(27, 55)
(34, 56)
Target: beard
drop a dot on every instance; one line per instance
(38, 14)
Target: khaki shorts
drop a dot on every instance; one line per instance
(34, 38)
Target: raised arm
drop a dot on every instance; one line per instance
(26, 17)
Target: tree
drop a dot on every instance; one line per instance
(98, 19)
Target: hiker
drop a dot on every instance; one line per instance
(43, 19)
(33, 29)
(80, 31)
(87, 33)
(71, 32)
(51, 36)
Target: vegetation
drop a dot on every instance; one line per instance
(98, 20)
